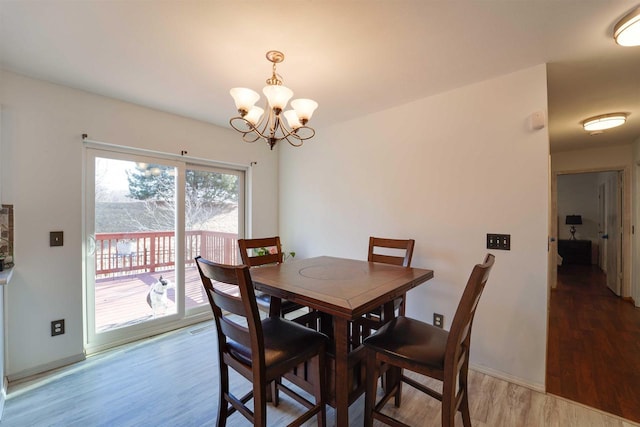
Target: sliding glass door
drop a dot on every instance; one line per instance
(146, 220)
(213, 206)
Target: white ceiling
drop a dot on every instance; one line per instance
(353, 57)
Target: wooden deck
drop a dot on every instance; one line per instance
(122, 301)
(128, 264)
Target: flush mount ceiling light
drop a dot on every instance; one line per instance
(627, 30)
(604, 121)
(254, 124)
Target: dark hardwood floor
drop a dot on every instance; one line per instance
(593, 354)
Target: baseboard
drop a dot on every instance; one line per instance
(509, 378)
(31, 372)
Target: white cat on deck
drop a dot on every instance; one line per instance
(157, 296)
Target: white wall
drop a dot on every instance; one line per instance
(594, 159)
(444, 170)
(42, 177)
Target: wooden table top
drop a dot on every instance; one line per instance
(341, 287)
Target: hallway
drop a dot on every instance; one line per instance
(593, 354)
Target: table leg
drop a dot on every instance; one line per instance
(341, 336)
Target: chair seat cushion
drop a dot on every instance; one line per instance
(284, 341)
(411, 340)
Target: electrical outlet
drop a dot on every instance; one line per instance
(438, 320)
(57, 327)
(56, 238)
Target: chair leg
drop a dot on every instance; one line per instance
(370, 391)
(319, 386)
(464, 408)
(464, 404)
(448, 414)
(223, 406)
(448, 405)
(398, 396)
(275, 393)
(402, 309)
(259, 403)
(354, 334)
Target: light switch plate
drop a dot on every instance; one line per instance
(499, 241)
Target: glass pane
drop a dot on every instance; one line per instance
(135, 217)
(211, 222)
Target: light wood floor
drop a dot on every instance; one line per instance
(171, 380)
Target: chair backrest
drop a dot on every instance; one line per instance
(255, 252)
(403, 259)
(237, 318)
(457, 351)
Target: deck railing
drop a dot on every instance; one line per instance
(151, 251)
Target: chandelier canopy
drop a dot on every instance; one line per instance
(254, 124)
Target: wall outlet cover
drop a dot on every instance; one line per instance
(56, 238)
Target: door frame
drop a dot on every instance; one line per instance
(181, 318)
(625, 214)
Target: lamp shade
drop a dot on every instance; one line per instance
(292, 119)
(254, 115)
(244, 98)
(304, 108)
(278, 96)
(574, 219)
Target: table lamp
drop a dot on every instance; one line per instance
(573, 220)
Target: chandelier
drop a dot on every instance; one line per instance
(254, 124)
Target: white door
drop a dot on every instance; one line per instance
(614, 238)
(552, 243)
(602, 227)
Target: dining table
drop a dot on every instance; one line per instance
(342, 291)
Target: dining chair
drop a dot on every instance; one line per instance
(262, 351)
(410, 344)
(264, 251)
(405, 247)
(386, 251)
